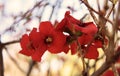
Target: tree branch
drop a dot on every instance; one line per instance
(31, 64)
(89, 7)
(14, 61)
(1, 61)
(107, 64)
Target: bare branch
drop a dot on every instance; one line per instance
(107, 64)
(31, 65)
(84, 1)
(14, 61)
(12, 42)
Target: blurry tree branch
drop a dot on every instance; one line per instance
(11, 42)
(1, 60)
(107, 64)
(14, 61)
(91, 9)
(26, 15)
(31, 65)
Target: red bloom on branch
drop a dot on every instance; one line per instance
(46, 39)
(51, 39)
(55, 41)
(27, 48)
(88, 31)
(68, 22)
(83, 32)
(91, 51)
(30, 45)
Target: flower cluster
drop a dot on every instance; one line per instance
(69, 34)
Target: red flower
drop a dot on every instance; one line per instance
(83, 31)
(46, 39)
(51, 39)
(26, 46)
(67, 22)
(89, 30)
(91, 51)
(30, 45)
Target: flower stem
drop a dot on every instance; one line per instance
(82, 58)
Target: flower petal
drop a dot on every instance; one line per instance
(61, 25)
(46, 27)
(85, 39)
(35, 37)
(27, 52)
(25, 42)
(91, 53)
(58, 43)
(71, 19)
(87, 28)
(65, 48)
(38, 53)
(98, 43)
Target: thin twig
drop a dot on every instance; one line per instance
(96, 11)
(114, 70)
(25, 15)
(110, 11)
(11, 42)
(99, 10)
(82, 57)
(14, 61)
(31, 65)
(107, 64)
(93, 16)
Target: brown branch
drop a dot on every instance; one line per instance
(98, 4)
(1, 61)
(82, 58)
(110, 11)
(89, 7)
(86, 3)
(26, 14)
(107, 64)
(14, 61)
(92, 14)
(31, 64)
(12, 42)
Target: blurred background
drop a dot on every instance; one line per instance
(18, 17)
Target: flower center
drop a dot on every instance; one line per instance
(48, 40)
(30, 46)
